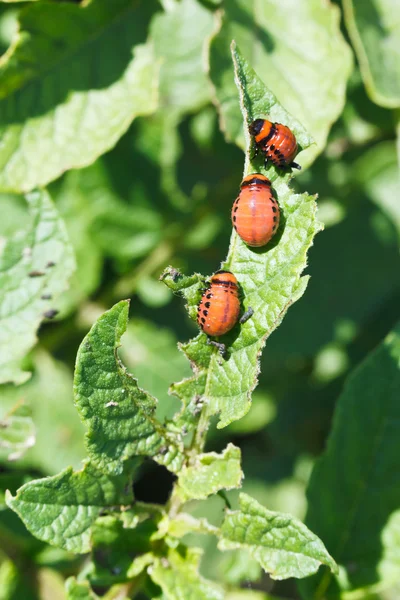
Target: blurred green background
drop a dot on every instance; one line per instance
(163, 196)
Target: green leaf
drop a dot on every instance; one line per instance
(269, 278)
(119, 415)
(209, 473)
(34, 263)
(79, 590)
(61, 510)
(17, 433)
(179, 578)
(374, 30)
(292, 49)
(183, 83)
(354, 492)
(73, 99)
(282, 545)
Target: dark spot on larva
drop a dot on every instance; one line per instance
(275, 219)
(272, 147)
(207, 304)
(236, 207)
(277, 152)
(274, 209)
(202, 320)
(234, 219)
(226, 291)
(208, 296)
(205, 312)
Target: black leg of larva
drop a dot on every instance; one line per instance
(249, 313)
(256, 150)
(221, 347)
(295, 166)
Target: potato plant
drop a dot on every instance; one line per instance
(136, 464)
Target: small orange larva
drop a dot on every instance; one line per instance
(276, 141)
(255, 212)
(219, 308)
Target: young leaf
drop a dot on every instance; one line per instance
(375, 34)
(209, 473)
(282, 545)
(17, 433)
(292, 49)
(61, 510)
(119, 415)
(179, 578)
(73, 99)
(354, 491)
(35, 266)
(269, 277)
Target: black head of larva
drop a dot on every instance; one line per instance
(256, 126)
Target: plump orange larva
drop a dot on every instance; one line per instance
(276, 141)
(219, 307)
(255, 212)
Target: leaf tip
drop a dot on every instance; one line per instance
(9, 498)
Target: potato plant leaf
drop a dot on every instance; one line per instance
(178, 576)
(35, 266)
(354, 491)
(65, 98)
(119, 416)
(374, 29)
(270, 279)
(60, 510)
(209, 473)
(289, 48)
(282, 545)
